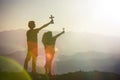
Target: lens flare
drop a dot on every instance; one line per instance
(48, 56)
(12, 70)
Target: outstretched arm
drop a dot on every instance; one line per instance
(59, 34)
(45, 25)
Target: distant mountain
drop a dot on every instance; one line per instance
(68, 43)
(11, 41)
(88, 61)
(76, 51)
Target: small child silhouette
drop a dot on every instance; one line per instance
(32, 44)
(49, 45)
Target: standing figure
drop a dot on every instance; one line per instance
(49, 45)
(32, 44)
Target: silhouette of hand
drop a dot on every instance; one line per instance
(63, 30)
(52, 21)
(51, 17)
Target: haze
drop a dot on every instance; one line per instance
(94, 16)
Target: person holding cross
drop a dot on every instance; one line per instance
(32, 44)
(49, 45)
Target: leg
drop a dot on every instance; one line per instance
(27, 59)
(48, 56)
(50, 66)
(34, 59)
(46, 68)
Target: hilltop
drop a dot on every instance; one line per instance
(95, 75)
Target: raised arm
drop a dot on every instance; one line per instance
(45, 25)
(59, 34)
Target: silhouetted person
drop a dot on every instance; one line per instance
(32, 44)
(49, 45)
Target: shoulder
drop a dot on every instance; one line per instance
(36, 30)
(54, 38)
(28, 30)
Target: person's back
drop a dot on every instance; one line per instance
(48, 39)
(49, 45)
(32, 35)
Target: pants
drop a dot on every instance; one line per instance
(49, 50)
(31, 54)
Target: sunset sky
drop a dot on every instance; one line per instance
(97, 21)
(94, 16)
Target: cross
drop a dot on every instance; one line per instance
(51, 17)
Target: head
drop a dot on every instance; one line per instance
(49, 34)
(31, 24)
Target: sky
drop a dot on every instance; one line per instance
(93, 16)
(83, 16)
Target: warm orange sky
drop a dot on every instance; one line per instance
(94, 16)
(83, 16)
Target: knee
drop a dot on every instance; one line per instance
(34, 59)
(27, 59)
